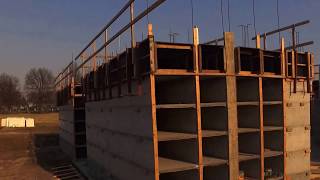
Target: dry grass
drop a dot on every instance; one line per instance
(20, 157)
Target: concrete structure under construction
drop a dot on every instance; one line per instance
(195, 111)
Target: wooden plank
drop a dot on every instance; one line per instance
(231, 106)
(272, 128)
(284, 114)
(248, 103)
(169, 165)
(175, 106)
(247, 157)
(174, 46)
(213, 133)
(272, 102)
(261, 128)
(215, 104)
(153, 102)
(248, 130)
(198, 100)
(272, 153)
(173, 136)
(211, 161)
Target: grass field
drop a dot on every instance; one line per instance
(45, 123)
(29, 153)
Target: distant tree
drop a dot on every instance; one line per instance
(39, 88)
(10, 94)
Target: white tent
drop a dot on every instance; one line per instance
(14, 122)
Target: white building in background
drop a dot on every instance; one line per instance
(16, 122)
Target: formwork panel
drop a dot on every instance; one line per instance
(183, 150)
(251, 168)
(298, 114)
(182, 175)
(274, 167)
(66, 134)
(119, 165)
(175, 90)
(217, 172)
(273, 115)
(297, 128)
(216, 147)
(249, 143)
(297, 162)
(214, 118)
(213, 89)
(272, 89)
(297, 138)
(247, 89)
(133, 149)
(119, 133)
(299, 176)
(177, 120)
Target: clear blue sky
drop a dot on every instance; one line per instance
(45, 33)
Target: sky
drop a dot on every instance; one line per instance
(48, 33)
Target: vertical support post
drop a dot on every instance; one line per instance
(106, 54)
(105, 73)
(265, 41)
(261, 59)
(133, 41)
(261, 128)
(261, 105)
(294, 59)
(68, 83)
(198, 102)
(153, 103)
(231, 106)
(258, 46)
(284, 114)
(308, 72)
(284, 63)
(293, 63)
(94, 68)
(133, 45)
(258, 43)
(285, 73)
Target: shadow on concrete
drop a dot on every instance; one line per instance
(315, 131)
(47, 151)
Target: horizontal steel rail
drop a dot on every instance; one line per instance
(63, 71)
(298, 45)
(214, 41)
(138, 18)
(125, 28)
(125, 7)
(283, 29)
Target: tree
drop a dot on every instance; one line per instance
(39, 88)
(10, 95)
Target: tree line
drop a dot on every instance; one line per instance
(36, 95)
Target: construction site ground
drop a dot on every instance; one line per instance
(31, 153)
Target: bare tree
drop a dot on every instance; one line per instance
(10, 95)
(39, 88)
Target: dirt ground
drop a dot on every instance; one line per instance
(30, 153)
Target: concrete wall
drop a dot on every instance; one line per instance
(119, 136)
(66, 119)
(297, 144)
